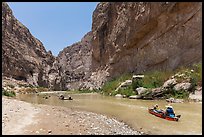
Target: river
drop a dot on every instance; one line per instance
(130, 111)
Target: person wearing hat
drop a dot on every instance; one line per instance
(156, 108)
(170, 111)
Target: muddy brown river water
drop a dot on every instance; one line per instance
(131, 111)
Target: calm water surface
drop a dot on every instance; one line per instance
(132, 112)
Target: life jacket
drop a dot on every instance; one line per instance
(170, 112)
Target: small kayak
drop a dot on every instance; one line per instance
(162, 115)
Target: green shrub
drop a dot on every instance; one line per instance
(124, 91)
(197, 75)
(8, 93)
(176, 94)
(180, 94)
(193, 82)
(137, 83)
(110, 86)
(154, 79)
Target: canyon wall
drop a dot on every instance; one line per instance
(75, 64)
(23, 56)
(126, 37)
(141, 36)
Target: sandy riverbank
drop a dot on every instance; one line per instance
(20, 117)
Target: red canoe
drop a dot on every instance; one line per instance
(162, 115)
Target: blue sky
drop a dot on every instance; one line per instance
(56, 24)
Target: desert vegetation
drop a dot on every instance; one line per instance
(155, 79)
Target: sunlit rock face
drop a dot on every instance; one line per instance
(125, 37)
(75, 64)
(141, 36)
(23, 56)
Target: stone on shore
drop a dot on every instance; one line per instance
(135, 97)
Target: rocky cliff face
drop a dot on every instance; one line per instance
(73, 65)
(125, 37)
(23, 56)
(141, 36)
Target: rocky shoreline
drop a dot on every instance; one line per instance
(20, 117)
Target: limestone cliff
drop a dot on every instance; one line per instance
(141, 36)
(75, 64)
(125, 37)
(23, 56)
